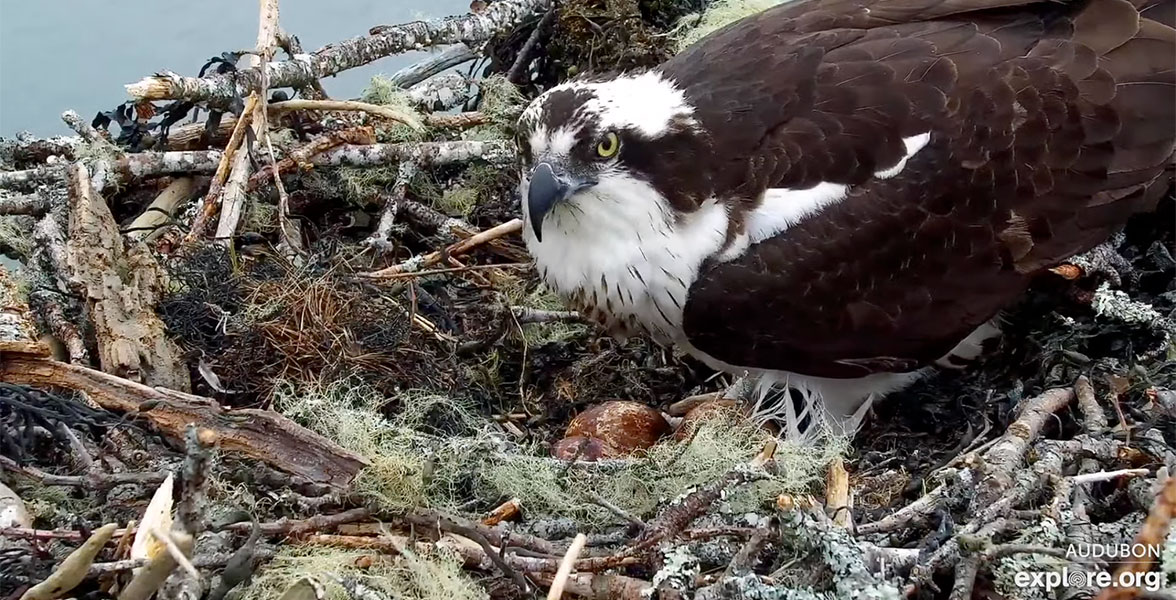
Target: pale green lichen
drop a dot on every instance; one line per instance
(1046, 533)
(850, 576)
(1116, 304)
(473, 462)
(16, 236)
(409, 575)
(381, 90)
(680, 567)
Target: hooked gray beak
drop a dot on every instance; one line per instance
(548, 188)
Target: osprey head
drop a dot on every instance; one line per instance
(598, 154)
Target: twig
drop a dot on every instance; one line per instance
(463, 120)
(423, 153)
(430, 518)
(1094, 420)
(293, 48)
(498, 231)
(526, 314)
(379, 238)
(148, 225)
(1108, 475)
(219, 90)
(462, 269)
(565, 567)
(260, 434)
(25, 533)
(474, 534)
(213, 198)
(837, 493)
(614, 509)
(965, 578)
(523, 59)
(88, 133)
(386, 112)
(96, 480)
(200, 562)
(302, 155)
(148, 580)
(1008, 454)
(920, 509)
(744, 561)
(295, 528)
(176, 552)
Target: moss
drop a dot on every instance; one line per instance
(260, 217)
(457, 202)
(381, 90)
(16, 236)
(501, 101)
(53, 505)
(717, 15)
(438, 576)
(360, 185)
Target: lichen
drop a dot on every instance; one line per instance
(471, 462)
(1116, 304)
(16, 237)
(680, 568)
(1045, 533)
(437, 576)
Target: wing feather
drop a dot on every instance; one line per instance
(1051, 122)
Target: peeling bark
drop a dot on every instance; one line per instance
(219, 90)
(121, 286)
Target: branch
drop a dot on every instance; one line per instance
(220, 90)
(387, 112)
(131, 338)
(259, 434)
(32, 204)
(449, 56)
(512, 226)
(423, 153)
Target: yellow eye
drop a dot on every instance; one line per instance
(608, 146)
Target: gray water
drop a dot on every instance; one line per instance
(77, 54)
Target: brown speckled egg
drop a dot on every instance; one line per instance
(702, 412)
(624, 426)
(569, 448)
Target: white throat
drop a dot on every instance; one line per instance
(616, 252)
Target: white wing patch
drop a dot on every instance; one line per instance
(913, 145)
(783, 208)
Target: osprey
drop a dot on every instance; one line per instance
(843, 194)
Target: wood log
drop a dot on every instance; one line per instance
(258, 434)
(122, 284)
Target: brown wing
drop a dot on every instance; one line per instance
(1051, 123)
